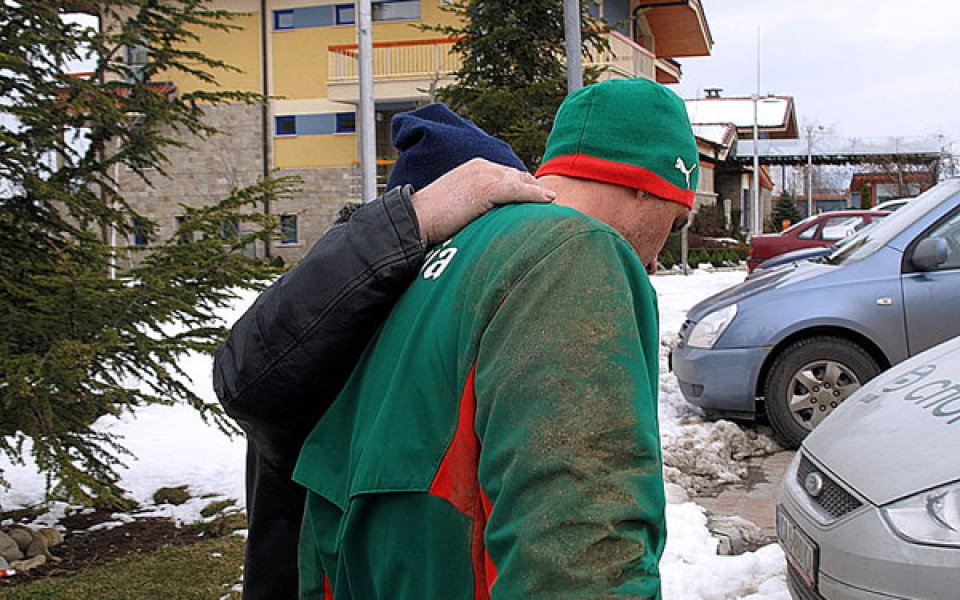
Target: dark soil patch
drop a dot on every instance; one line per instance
(82, 549)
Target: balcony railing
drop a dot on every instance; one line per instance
(423, 59)
(396, 60)
(626, 58)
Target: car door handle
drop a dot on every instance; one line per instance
(884, 301)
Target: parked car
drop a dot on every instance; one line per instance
(797, 341)
(818, 230)
(870, 505)
(892, 205)
(815, 252)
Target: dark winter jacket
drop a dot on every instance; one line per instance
(289, 355)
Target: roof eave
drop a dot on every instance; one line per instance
(679, 26)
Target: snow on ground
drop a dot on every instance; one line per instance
(698, 454)
(173, 447)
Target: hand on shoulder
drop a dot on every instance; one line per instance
(467, 192)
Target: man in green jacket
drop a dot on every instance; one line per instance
(499, 437)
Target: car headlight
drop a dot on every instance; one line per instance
(931, 517)
(709, 329)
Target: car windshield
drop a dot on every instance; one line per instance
(852, 238)
(867, 241)
(834, 231)
(802, 223)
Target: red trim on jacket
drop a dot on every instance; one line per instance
(456, 481)
(327, 592)
(584, 166)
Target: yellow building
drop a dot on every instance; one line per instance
(302, 55)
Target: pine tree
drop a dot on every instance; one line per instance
(76, 343)
(785, 209)
(513, 74)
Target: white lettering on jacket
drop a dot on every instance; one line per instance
(438, 260)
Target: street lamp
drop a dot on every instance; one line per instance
(757, 209)
(809, 171)
(757, 221)
(810, 168)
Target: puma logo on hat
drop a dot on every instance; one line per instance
(683, 169)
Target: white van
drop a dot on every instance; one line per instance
(870, 506)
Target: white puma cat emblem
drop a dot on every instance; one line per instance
(682, 167)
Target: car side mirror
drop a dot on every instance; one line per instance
(930, 254)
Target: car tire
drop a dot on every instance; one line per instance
(809, 379)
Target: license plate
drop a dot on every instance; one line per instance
(801, 551)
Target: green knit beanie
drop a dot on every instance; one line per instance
(630, 132)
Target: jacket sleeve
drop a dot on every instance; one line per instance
(288, 356)
(570, 463)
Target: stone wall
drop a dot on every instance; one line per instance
(205, 171)
(323, 192)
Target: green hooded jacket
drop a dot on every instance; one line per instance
(499, 437)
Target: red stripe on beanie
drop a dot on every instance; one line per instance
(584, 166)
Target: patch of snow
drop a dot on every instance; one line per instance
(691, 567)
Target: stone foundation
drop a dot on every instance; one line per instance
(205, 171)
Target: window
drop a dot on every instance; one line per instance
(318, 124)
(949, 231)
(139, 232)
(137, 57)
(230, 229)
(182, 236)
(343, 14)
(396, 10)
(346, 14)
(286, 125)
(837, 228)
(289, 233)
(385, 10)
(283, 19)
(346, 122)
(300, 18)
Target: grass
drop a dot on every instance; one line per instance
(205, 570)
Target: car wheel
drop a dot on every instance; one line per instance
(809, 379)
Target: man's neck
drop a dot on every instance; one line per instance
(595, 198)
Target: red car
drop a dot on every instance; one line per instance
(819, 230)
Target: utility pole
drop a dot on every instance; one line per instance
(809, 170)
(571, 29)
(757, 210)
(367, 124)
(757, 218)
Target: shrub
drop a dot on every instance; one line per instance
(709, 220)
(697, 256)
(667, 259)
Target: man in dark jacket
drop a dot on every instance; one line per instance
(288, 357)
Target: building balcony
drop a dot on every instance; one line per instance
(411, 70)
(402, 71)
(668, 71)
(679, 27)
(625, 58)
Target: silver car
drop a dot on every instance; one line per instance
(870, 506)
(799, 339)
